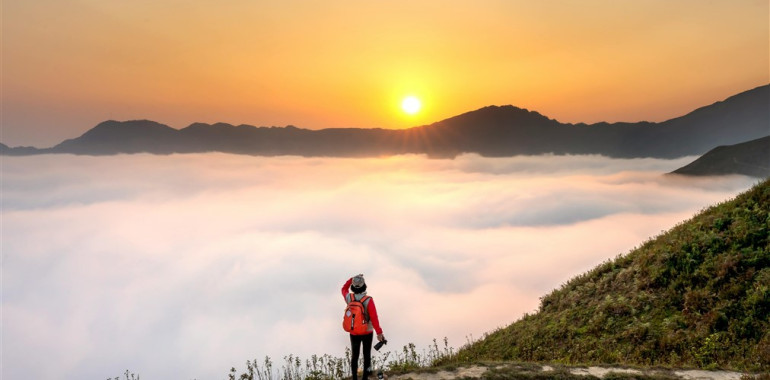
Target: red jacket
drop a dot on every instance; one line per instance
(371, 309)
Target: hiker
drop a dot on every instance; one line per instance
(357, 285)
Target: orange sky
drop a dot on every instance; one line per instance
(70, 64)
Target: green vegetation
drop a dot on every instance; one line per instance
(414, 364)
(695, 296)
(328, 367)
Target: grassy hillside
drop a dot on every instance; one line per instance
(695, 296)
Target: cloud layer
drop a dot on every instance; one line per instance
(183, 266)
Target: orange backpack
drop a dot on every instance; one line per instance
(356, 318)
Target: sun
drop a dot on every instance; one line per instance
(411, 105)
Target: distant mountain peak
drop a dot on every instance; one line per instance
(506, 115)
(133, 127)
(505, 110)
(128, 123)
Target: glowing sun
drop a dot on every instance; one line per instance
(411, 105)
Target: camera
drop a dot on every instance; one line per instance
(380, 344)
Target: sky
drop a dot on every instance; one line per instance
(69, 64)
(183, 266)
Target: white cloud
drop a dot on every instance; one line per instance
(183, 266)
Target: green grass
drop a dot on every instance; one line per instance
(695, 296)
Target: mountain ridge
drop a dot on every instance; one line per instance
(489, 131)
(751, 158)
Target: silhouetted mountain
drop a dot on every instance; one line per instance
(751, 158)
(112, 137)
(505, 131)
(489, 131)
(20, 150)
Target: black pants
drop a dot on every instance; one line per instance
(355, 347)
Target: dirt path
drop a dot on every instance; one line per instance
(476, 371)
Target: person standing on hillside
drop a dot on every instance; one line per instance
(357, 286)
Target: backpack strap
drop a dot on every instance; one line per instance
(364, 301)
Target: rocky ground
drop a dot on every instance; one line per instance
(541, 372)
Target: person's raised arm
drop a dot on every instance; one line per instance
(346, 287)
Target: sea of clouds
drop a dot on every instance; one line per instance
(183, 266)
